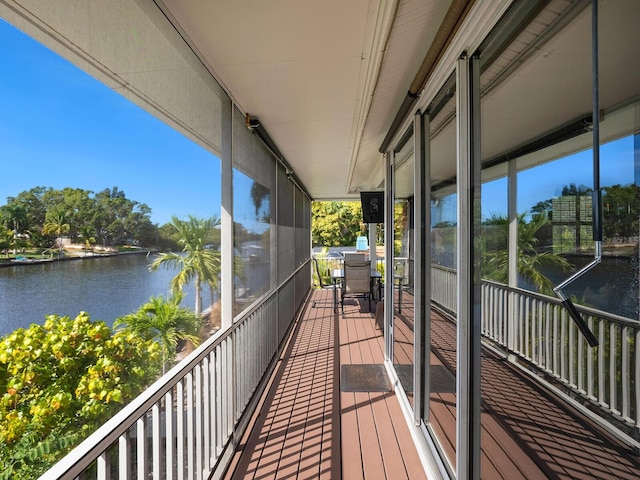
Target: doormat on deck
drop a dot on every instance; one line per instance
(364, 378)
(405, 375)
(442, 380)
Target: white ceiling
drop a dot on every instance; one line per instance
(324, 79)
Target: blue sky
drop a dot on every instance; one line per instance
(61, 128)
(546, 181)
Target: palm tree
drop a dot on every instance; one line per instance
(14, 218)
(6, 236)
(165, 322)
(529, 260)
(196, 262)
(87, 231)
(56, 222)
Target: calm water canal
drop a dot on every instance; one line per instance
(106, 288)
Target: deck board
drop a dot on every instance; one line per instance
(307, 428)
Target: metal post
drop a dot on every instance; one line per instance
(373, 240)
(468, 310)
(226, 220)
(422, 333)
(388, 256)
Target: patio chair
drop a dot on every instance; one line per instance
(357, 281)
(354, 257)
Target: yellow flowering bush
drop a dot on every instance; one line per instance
(59, 381)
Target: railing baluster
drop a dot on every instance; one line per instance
(198, 421)
(213, 453)
(190, 428)
(502, 308)
(571, 361)
(601, 371)
(206, 421)
(102, 466)
(228, 384)
(563, 342)
(232, 391)
(141, 447)
(590, 363)
(494, 317)
(556, 345)
(581, 366)
(626, 377)
(124, 459)
(527, 321)
(636, 347)
(539, 339)
(180, 429)
(548, 338)
(219, 399)
(156, 439)
(522, 315)
(485, 305)
(169, 445)
(509, 315)
(613, 353)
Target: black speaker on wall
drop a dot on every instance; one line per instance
(372, 207)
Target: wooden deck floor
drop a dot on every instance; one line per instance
(311, 425)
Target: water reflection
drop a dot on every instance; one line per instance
(106, 288)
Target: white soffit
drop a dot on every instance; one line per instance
(311, 72)
(296, 66)
(416, 24)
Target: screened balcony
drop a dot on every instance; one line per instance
(488, 379)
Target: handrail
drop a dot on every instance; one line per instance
(188, 417)
(630, 322)
(126, 418)
(583, 308)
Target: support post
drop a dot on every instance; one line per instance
(226, 220)
(468, 309)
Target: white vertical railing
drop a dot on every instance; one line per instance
(444, 287)
(539, 331)
(182, 427)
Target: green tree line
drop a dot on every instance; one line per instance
(338, 224)
(40, 216)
